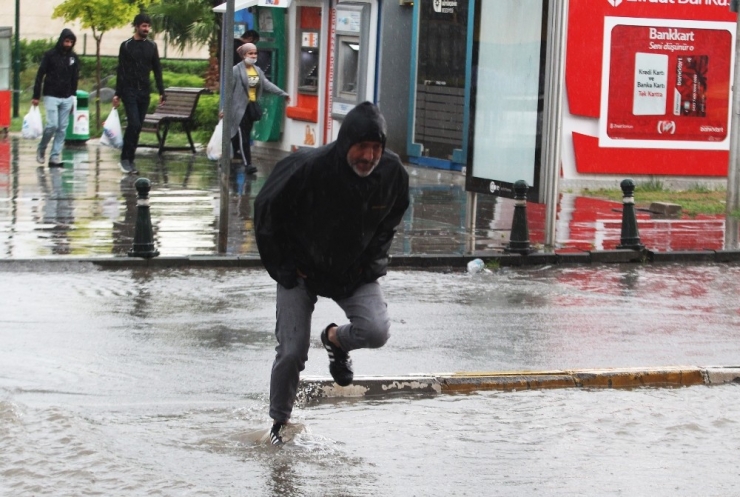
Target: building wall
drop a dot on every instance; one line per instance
(36, 23)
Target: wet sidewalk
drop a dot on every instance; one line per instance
(87, 209)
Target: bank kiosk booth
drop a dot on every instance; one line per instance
(324, 54)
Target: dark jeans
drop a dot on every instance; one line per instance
(136, 103)
(240, 141)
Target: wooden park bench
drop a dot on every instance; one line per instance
(178, 107)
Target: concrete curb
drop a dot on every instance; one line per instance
(422, 261)
(313, 388)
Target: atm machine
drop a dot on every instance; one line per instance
(270, 24)
(306, 107)
(351, 57)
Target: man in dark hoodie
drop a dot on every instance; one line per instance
(137, 57)
(56, 80)
(324, 222)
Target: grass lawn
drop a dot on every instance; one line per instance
(694, 201)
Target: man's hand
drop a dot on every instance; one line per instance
(161, 99)
(35, 102)
(116, 102)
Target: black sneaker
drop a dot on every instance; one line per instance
(55, 164)
(340, 365)
(275, 438)
(251, 169)
(40, 156)
(125, 166)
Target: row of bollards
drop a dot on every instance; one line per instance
(519, 238)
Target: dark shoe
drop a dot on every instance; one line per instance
(251, 170)
(40, 156)
(56, 164)
(126, 166)
(275, 438)
(340, 365)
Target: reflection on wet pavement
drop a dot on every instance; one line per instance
(88, 209)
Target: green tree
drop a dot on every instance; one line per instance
(101, 16)
(190, 22)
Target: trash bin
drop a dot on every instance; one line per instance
(78, 129)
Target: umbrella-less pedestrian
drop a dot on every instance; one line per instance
(324, 222)
(56, 79)
(137, 58)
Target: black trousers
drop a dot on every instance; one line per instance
(136, 103)
(240, 141)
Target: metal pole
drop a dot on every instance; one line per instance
(553, 113)
(227, 79)
(472, 207)
(17, 60)
(733, 175)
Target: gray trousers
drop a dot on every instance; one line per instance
(368, 328)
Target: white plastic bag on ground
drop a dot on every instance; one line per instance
(112, 134)
(33, 127)
(213, 151)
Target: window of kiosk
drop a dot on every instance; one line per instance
(308, 76)
(348, 68)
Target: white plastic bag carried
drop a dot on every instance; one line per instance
(33, 127)
(213, 151)
(112, 135)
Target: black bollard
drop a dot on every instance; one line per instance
(519, 239)
(630, 237)
(143, 236)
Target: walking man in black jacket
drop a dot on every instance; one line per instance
(324, 222)
(58, 75)
(137, 57)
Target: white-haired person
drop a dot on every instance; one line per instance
(250, 83)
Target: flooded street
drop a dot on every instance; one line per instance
(153, 382)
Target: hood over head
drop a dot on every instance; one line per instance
(66, 34)
(363, 123)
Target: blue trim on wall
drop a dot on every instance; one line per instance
(413, 149)
(436, 163)
(462, 155)
(377, 52)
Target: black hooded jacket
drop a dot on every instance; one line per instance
(316, 215)
(59, 71)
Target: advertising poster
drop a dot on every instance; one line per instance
(666, 84)
(619, 120)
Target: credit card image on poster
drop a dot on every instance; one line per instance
(690, 95)
(650, 95)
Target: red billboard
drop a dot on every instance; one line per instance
(642, 105)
